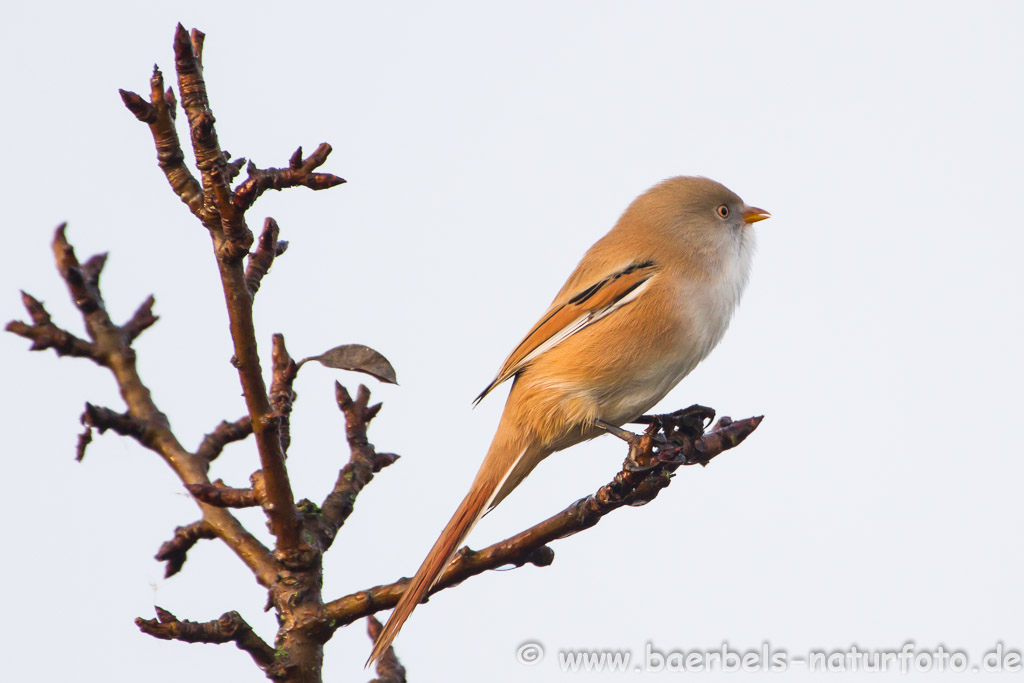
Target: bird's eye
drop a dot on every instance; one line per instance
(723, 211)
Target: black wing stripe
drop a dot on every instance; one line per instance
(578, 299)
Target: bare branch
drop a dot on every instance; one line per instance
(36, 311)
(293, 572)
(230, 627)
(226, 432)
(219, 495)
(175, 551)
(197, 37)
(299, 173)
(45, 335)
(143, 420)
(232, 168)
(122, 423)
(267, 247)
(232, 237)
(84, 439)
(82, 282)
(631, 486)
(363, 463)
(140, 108)
(281, 394)
(231, 242)
(92, 269)
(159, 114)
(140, 321)
(389, 669)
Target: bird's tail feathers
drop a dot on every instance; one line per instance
(499, 463)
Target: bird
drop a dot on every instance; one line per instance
(646, 304)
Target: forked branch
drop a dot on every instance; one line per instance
(631, 486)
(292, 570)
(229, 628)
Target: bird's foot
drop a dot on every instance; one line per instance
(641, 447)
(626, 435)
(688, 422)
(634, 464)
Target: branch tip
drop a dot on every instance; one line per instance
(35, 309)
(341, 395)
(84, 439)
(284, 371)
(94, 267)
(229, 627)
(140, 108)
(233, 168)
(175, 551)
(45, 335)
(142, 319)
(299, 172)
(364, 461)
(182, 44)
(124, 424)
(267, 249)
(362, 398)
(197, 37)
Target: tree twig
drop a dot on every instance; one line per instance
(231, 242)
(223, 434)
(389, 669)
(629, 487)
(175, 551)
(364, 460)
(159, 114)
(230, 627)
(110, 347)
(84, 439)
(124, 424)
(224, 496)
(140, 321)
(293, 572)
(282, 395)
(299, 173)
(45, 335)
(267, 248)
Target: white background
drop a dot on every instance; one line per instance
(486, 147)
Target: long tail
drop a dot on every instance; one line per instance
(500, 461)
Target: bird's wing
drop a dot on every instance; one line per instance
(565, 318)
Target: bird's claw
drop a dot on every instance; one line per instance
(631, 465)
(638, 444)
(690, 422)
(626, 435)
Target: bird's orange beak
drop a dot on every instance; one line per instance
(754, 214)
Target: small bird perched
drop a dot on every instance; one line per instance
(644, 306)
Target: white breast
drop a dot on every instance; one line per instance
(709, 304)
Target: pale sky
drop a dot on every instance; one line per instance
(486, 147)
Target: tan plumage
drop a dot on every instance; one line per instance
(644, 306)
